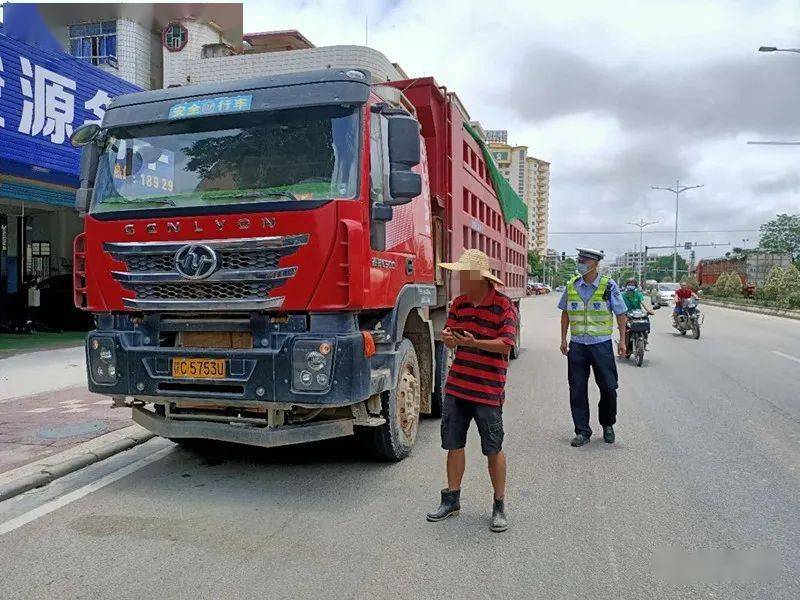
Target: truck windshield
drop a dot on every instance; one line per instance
(290, 155)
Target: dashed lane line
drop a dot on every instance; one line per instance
(787, 356)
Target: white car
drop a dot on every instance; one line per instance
(663, 294)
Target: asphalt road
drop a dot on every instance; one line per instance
(697, 499)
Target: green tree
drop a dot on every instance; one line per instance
(790, 287)
(692, 282)
(622, 275)
(566, 271)
(535, 264)
(661, 268)
(773, 283)
(781, 234)
(720, 287)
(733, 287)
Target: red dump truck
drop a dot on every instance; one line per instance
(260, 256)
(753, 268)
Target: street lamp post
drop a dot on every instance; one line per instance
(677, 190)
(641, 258)
(774, 49)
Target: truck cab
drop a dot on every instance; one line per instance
(258, 257)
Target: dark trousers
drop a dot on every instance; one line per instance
(600, 357)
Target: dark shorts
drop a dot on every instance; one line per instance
(456, 417)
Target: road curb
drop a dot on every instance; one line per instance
(47, 473)
(761, 310)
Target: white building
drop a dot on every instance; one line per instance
(166, 45)
(530, 178)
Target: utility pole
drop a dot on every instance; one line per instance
(677, 190)
(640, 258)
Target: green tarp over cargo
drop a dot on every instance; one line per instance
(510, 203)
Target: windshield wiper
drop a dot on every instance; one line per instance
(156, 199)
(254, 195)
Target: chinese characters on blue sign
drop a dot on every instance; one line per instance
(44, 96)
(211, 106)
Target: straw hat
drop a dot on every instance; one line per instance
(473, 260)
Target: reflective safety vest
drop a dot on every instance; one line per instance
(592, 317)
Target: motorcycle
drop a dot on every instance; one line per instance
(689, 319)
(638, 329)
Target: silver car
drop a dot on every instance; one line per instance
(663, 294)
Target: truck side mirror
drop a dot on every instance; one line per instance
(404, 154)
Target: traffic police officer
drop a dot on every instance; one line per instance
(586, 310)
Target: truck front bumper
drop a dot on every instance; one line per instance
(266, 374)
(265, 437)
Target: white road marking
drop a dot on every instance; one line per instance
(75, 409)
(81, 492)
(787, 356)
(41, 409)
(70, 402)
(103, 402)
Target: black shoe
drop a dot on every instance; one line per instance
(608, 434)
(451, 504)
(579, 440)
(499, 520)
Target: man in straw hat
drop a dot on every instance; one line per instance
(482, 327)
(586, 307)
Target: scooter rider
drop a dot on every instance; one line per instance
(634, 299)
(684, 292)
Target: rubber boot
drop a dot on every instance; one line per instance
(451, 504)
(499, 520)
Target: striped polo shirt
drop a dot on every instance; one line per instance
(477, 375)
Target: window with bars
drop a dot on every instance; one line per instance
(96, 43)
(38, 259)
(175, 37)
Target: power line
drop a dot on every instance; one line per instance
(656, 231)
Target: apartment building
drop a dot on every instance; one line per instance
(530, 178)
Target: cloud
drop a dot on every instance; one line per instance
(789, 182)
(617, 95)
(720, 98)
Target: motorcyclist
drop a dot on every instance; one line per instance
(684, 292)
(635, 299)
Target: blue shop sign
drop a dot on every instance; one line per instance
(44, 96)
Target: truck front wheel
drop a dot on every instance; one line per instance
(400, 407)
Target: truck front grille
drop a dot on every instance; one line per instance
(203, 291)
(238, 274)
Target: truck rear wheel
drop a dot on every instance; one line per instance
(400, 406)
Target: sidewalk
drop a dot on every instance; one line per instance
(34, 427)
(48, 417)
(43, 371)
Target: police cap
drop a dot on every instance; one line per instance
(590, 253)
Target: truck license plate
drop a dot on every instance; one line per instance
(198, 368)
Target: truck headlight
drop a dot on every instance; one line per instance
(312, 363)
(102, 360)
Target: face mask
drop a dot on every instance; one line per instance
(631, 288)
(583, 268)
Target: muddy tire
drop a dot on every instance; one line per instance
(393, 440)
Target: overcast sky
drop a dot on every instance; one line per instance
(618, 96)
